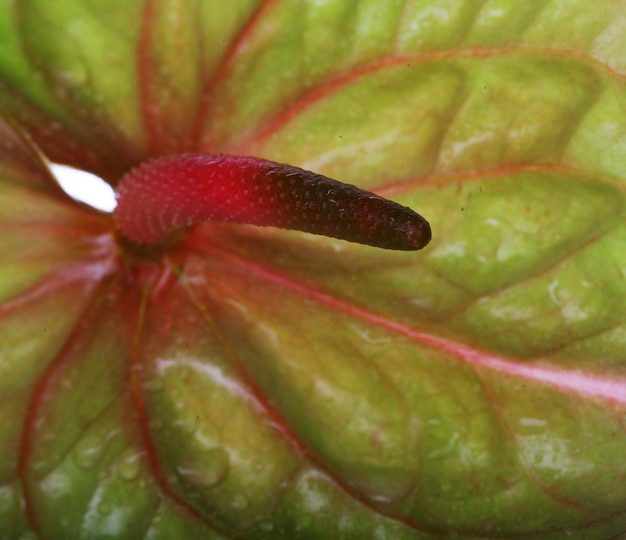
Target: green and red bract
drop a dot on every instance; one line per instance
(157, 198)
(249, 383)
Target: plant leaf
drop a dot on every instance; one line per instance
(256, 383)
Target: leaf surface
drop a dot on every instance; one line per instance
(257, 383)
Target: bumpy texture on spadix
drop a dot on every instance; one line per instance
(181, 190)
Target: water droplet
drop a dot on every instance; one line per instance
(304, 521)
(153, 384)
(207, 469)
(129, 464)
(89, 451)
(187, 420)
(240, 502)
(532, 422)
(72, 76)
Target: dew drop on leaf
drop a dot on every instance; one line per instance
(240, 502)
(129, 464)
(207, 470)
(187, 421)
(154, 384)
(304, 522)
(89, 451)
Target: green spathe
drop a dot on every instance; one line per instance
(247, 383)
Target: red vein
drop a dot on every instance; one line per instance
(283, 426)
(149, 107)
(143, 418)
(307, 100)
(142, 414)
(493, 172)
(258, 397)
(62, 145)
(63, 276)
(38, 396)
(223, 69)
(611, 389)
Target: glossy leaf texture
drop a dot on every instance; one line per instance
(249, 383)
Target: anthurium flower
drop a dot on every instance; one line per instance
(241, 382)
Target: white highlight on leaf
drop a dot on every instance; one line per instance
(362, 147)
(308, 487)
(553, 453)
(242, 308)
(532, 422)
(461, 147)
(270, 334)
(552, 291)
(492, 12)
(447, 449)
(492, 222)
(455, 249)
(213, 373)
(570, 308)
(368, 335)
(107, 517)
(434, 16)
(85, 187)
(56, 485)
(573, 312)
